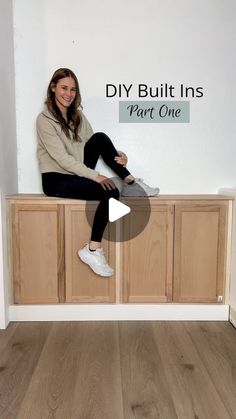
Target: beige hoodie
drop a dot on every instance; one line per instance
(56, 152)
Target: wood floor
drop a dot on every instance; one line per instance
(118, 370)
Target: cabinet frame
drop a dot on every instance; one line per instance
(15, 211)
(92, 278)
(126, 296)
(220, 209)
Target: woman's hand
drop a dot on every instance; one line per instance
(105, 182)
(122, 158)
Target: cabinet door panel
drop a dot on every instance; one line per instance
(82, 285)
(35, 254)
(200, 252)
(147, 258)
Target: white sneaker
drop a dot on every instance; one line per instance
(139, 188)
(96, 260)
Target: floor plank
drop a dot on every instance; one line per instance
(193, 391)
(6, 335)
(98, 391)
(216, 346)
(118, 370)
(145, 389)
(78, 375)
(19, 355)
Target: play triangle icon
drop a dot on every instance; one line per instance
(117, 209)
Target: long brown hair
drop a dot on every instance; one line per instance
(73, 116)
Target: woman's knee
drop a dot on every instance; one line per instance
(101, 136)
(116, 193)
(113, 193)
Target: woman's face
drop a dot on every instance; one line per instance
(65, 93)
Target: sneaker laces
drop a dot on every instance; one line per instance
(140, 180)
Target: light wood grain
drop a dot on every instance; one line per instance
(176, 197)
(189, 261)
(192, 389)
(61, 253)
(216, 346)
(125, 370)
(18, 358)
(35, 256)
(80, 372)
(200, 252)
(147, 258)
(145, 389)
(82, 284)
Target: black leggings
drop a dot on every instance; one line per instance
(77, 187)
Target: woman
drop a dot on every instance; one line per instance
(68, 151)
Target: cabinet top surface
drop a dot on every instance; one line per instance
(154, 199)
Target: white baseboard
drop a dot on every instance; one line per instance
(122, 312)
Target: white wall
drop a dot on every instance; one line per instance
(135, 41)
(8, 149)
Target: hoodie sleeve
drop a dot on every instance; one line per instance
(86, 130)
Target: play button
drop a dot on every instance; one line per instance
(117, 209)
(131, 213)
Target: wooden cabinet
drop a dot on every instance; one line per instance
(200, 252)
(37, 253)
(180, 256)
(44, 239)
(147, 258)
(82, 285)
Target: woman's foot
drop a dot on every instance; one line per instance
(96, 261)
(139, 188)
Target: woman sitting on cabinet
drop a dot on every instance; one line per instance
(68, 151)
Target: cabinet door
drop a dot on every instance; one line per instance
(200, 252)
(147, 258)
(38, 256)
(82, 285)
